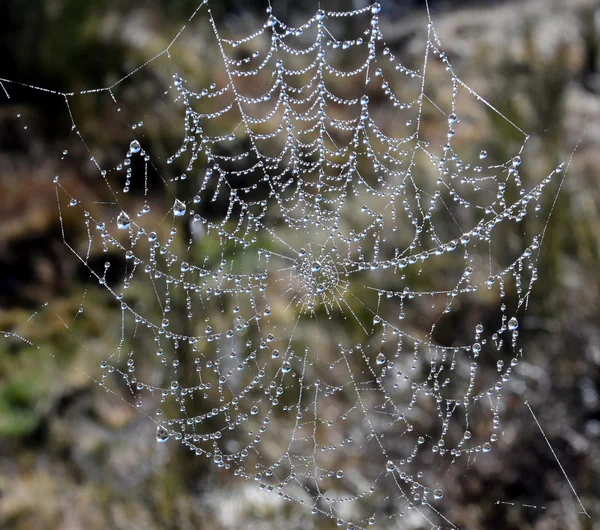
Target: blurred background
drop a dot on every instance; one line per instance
(73, 456)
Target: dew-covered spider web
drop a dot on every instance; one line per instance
(277, 322)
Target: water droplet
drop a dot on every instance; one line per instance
(135, 146)
(339, 474)
(486, 447)
(179, 208)
(286, 367)
(380, 359)
(123, 221)
(438, 494)
(389, 467)
(483, 154)
(162, 435)
(513, 324)
(516, 161)
(316, 266)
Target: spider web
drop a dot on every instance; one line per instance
(272, 323)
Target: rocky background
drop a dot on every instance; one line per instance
(74, 457)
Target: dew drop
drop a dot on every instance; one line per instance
(162, 435)
(135, 146)
(123, 221)
(179, 208)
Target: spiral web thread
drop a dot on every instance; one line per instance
(293, 355)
